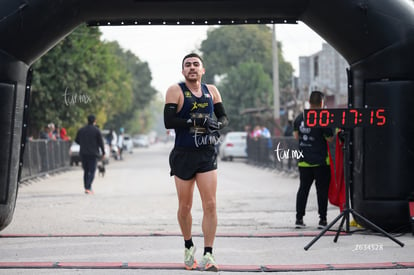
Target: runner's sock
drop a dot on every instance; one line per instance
(188, 243)
(208, 250)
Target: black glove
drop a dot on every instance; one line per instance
(207, 123)
(212, 125)
(214, 133)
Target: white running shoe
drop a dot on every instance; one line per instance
(189, 261)
(209, 263)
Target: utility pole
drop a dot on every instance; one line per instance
(276, 93)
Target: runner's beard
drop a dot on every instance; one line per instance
(192, 79)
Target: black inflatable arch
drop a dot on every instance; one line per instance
(375, 37)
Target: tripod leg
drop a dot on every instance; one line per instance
(324, 231)
(340, 226)
(377, 228)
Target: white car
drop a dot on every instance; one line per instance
(74, 154)
(127, 143)
(75, 157)
(234, 145)
(141, 141)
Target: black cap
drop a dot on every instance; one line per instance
(91, 119)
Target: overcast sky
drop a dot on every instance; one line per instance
(163, 47)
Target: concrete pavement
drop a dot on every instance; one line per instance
(129, 226)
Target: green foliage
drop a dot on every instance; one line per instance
(241, 57)
(245, 86)
(136, 118)
(228, 46)
(83, 75)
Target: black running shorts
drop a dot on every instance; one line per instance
(186, 163)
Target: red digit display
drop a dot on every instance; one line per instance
(343, 118)
(381, 117)
(355, 117)
(324, 118)
(371, 120)
(346, 118)
(311, 122)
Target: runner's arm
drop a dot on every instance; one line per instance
(219, 111)
(171, 120)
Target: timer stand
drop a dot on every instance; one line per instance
(348, 210)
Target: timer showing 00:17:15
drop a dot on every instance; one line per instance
(346, 118)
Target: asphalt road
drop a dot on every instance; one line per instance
(129, 225)
(138, 195)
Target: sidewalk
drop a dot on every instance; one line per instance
(129, 226)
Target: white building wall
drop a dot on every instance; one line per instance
(324, 71)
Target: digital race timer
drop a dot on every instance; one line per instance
(345, 118)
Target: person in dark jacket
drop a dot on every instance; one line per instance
(313, 163)
(90, 140)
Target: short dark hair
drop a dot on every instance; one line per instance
(191, 55)
(316, 98)
(91, 119)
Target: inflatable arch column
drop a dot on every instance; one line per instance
(376, 38)
(28, 29)
(13, 75)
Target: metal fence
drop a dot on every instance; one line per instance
(47, 156)
(279, 153)
(43, 157)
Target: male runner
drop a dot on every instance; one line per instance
(189, 108)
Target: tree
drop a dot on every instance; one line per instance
(83, 75)
(245, 86)
(228, 46)
(239, 60)
(76, 78)
(137, 117)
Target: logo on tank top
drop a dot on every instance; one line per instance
(187, 94)
(197, 105)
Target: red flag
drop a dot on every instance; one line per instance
(336, 193)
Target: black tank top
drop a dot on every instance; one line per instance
(194, 106)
